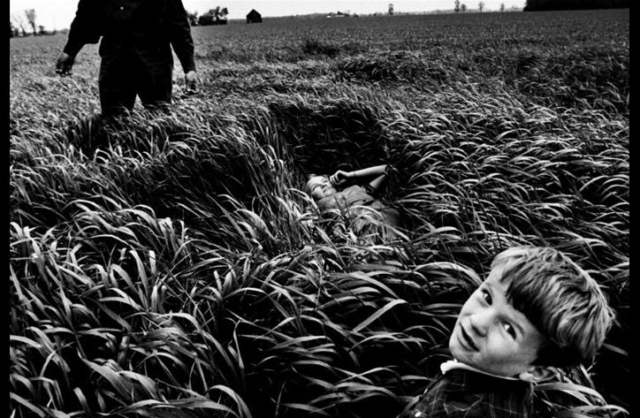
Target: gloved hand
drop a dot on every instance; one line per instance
(64, 64)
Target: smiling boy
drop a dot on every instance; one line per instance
(536, 310)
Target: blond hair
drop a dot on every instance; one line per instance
(563, 302)
(312, 179)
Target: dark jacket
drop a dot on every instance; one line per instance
(148, 28)
(466, 394)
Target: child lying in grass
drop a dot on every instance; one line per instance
(359, 203)
(536, 310)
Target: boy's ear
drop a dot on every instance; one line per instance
(537, 374)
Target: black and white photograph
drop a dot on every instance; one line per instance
(319, 209)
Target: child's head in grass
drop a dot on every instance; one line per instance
(319, 187)
(536, 310)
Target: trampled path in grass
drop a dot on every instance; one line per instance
(170, 264)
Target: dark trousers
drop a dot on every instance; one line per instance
(124, 77)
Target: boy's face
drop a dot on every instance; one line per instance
(493, 336)
(320, 187)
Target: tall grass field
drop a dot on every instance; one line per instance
(171, 264)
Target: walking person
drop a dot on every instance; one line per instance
(136, 40)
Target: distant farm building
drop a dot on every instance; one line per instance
(254, 17)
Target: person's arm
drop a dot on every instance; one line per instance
(83, 30)
(182, 41)
(340, 176)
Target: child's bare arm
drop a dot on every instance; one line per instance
(341, 176)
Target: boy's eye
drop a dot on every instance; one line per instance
(486, 296)
(510, 330)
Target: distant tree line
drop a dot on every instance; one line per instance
(18, 26)
(217, 16)
(18, 32)
(533, 5)
(460, 7)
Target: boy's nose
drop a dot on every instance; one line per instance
(481, 321)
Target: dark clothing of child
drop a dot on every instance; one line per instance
(463, 393)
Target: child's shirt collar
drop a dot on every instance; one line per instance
(455, 364)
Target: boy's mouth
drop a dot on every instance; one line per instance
(468, 339)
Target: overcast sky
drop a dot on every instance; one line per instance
(58, 14)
